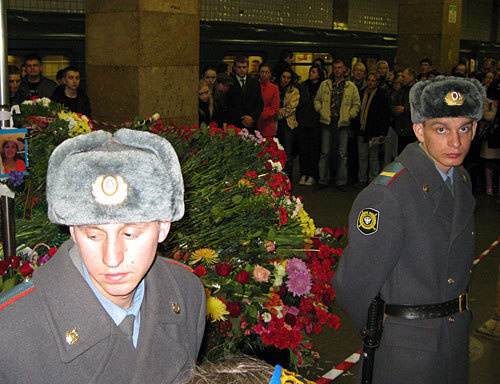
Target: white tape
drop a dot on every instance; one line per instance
(5, 191)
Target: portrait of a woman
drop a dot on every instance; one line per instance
(10, 146)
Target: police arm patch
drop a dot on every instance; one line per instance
(368, 221)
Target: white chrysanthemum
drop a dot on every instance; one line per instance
(44, 101)
(266, 317)
(276, 165)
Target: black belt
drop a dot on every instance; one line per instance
(429, 311)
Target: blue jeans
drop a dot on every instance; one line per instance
(330, 135)
(367, 155)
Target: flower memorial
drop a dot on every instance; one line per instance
(266, 269)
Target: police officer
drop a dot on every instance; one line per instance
(411, 241)
(105, 309)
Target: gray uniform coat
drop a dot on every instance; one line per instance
(33, 328)
(420, 252)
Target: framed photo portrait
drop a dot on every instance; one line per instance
(14, 151)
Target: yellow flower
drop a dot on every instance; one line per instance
(245, 183)
(207, 255)
(216, 309)
(307, 223)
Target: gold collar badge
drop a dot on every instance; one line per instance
(453, 98)
(72, 336)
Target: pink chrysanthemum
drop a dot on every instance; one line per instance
(296, 265)
(299, 283)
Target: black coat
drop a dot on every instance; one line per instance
(305, 113)
(240, 104)
(402, 123)
(82, 100)
(379, 116)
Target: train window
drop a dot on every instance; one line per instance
(51, 64)
(253, 62)
(371, 64)
(302, 61)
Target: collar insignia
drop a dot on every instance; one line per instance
(72, 336)
(453, 98)
(176, 308)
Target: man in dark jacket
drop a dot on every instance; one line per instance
(105, 308)
(34, 83)
(244, 98)
(16, 94)
(411, 242)
(374, 120)
(401, 111)
(70, 95)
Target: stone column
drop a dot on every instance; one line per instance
(142, 57)
(429, 29)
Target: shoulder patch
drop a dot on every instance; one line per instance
(368, 221)
(15, 293)
(170, 261)
(390, 172)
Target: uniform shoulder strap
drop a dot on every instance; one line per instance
(390, 173)
(170, 261)
(20, 290)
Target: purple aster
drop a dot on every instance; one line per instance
(299, 283)
(296, 265)
(15, 178)
(43, 260)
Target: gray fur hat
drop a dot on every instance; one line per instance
(447, 97)
(128, 177)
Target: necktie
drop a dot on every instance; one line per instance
(449, 185)
(243, 86)
(127, 326)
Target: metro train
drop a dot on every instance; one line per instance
(60, 40)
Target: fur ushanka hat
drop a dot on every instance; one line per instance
(446, 97)
(128, 177)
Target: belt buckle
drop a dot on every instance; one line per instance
(463, 302)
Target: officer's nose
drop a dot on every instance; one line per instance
(112, 253)
(454, 139)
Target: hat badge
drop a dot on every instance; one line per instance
(453, 98)
(109, 189)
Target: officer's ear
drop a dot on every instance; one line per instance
(164, 227)
(72, 233)
(418, 129)
(474, 126)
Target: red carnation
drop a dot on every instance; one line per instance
(234, 309)
(223, 269)
(25, 269)
(14, 261)
(52, 251)
(251, 175)
(243, 277)
(4, 265)
(200, 271)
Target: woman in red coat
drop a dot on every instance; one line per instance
(271, 97)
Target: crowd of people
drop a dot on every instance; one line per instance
(344, 127)
(28, 82)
